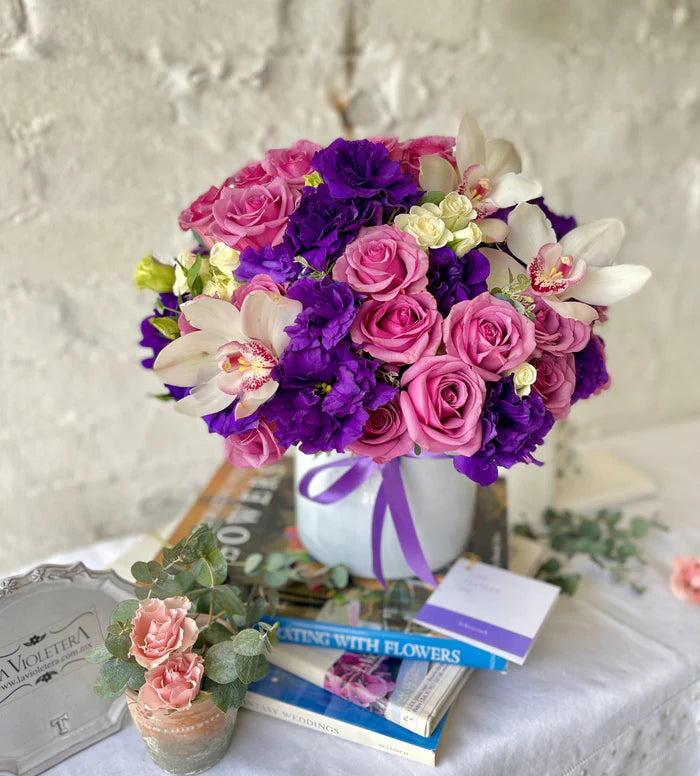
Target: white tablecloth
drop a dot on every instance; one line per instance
(612, 687)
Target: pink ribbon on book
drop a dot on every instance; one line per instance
(391, 493)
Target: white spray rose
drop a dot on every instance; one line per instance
(456, 211)
(426, 225)
(524, 377)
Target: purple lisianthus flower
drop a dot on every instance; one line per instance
(591, 373)
(329, 310)
(512, 428)
(150, 336)
(561, 224)
(361, 169)
(452, 279)
(224, 422)
(321, 226)
(277, 262)
(324, 397)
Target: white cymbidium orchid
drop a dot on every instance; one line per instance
(232, 354)
(581, 266)
(489, 173)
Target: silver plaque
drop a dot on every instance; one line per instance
(49, 618)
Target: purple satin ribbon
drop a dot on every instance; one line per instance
(391, 493)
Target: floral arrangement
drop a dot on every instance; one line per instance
(186, 636)
(382, 298)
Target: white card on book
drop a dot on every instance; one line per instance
(489, 607)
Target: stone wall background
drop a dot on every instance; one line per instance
(115, 115)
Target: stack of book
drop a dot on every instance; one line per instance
(353, 664)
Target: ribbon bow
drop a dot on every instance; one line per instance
(391, 493)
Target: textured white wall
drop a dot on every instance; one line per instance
(115, 115)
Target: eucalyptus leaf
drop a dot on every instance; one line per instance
(118, 645)
(156, 570)
(210, 570)
(255, 609)
(219, 662)
(248, 642)
(276, 578)
(639, 527)
(251, 668)
(225, 598)
(228, 696)
(124, 611)
(276, 561)
(215, 633)
(340, 577)
(140, 573)
(113, 678)
(137, 678)
(252, 563)
(98, 654)
(167, 588)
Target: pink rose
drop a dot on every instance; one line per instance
(443, 405)
(254, 448)
(174, 684)
(255, 216)
(293, 163)
(198, 215)
(385, 435)
(159, 628)
(400, 330)
(685, 580)
(556, 380)
(259, 282)
(382, 262)
(489, 334)
(391, 143)
(253, 174)
(556, 334)
(412, 150)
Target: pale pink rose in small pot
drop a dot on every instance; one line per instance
(160, 627)
(431, 145)
(255, 216)
(558, 335)
(198, 215)
(385, 435)
(685, 579)
(254, 448)
(400, 330)
(556, 380)
(489, 334)
(443, 405)
(253, 174)
(292, 164)
(259, 282)
(174, 684)
(382, 262)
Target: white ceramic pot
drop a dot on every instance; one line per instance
(441, 502)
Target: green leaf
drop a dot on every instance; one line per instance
(211, 569)
(219, 662)
(416, 449)
(167, 326)
(255, 609)
(137, 678)
(550, 567)
(251, 668)
(276, 578)
(225, 598)
(118, 645)
(340, 577)
(163, 396)
(193, 273)
(276, 561)
(435, 197)
(252, 563)
(248, 642)
(197, 593)
(639, 527)
(228, 696)
(198, 239)
(167, 588)
(141, 592)
(113, 678)
(125, 611)
(140, 573)
(156, 570)
(568, 583)
(215, 633)
(98, 654)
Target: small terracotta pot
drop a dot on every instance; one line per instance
(184, 742)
